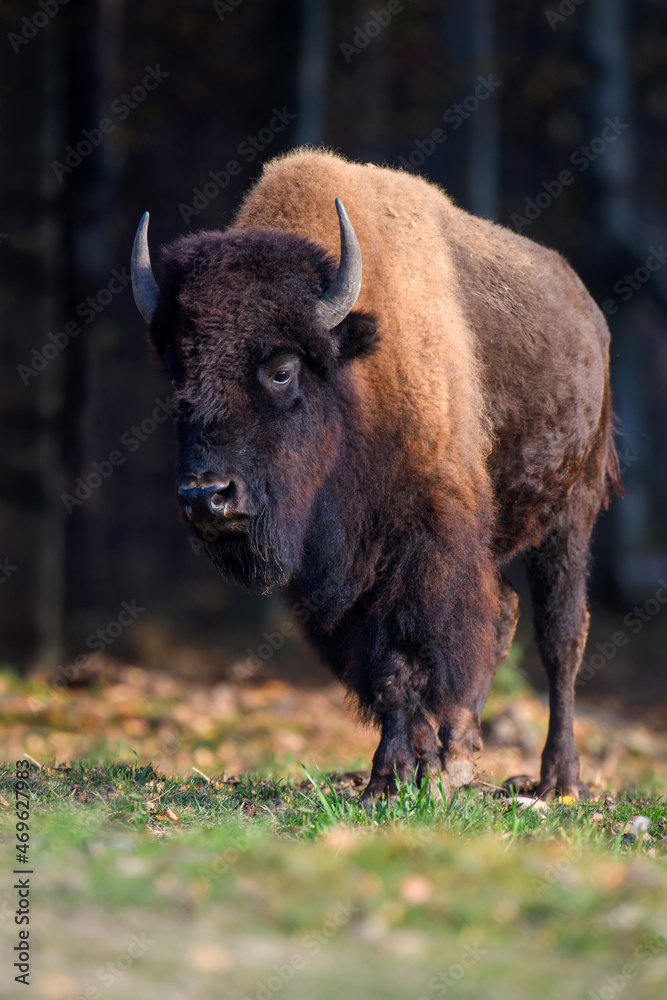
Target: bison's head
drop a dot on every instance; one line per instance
(254, 327)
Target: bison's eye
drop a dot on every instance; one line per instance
(280, 376)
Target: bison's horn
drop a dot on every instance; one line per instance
(339, 299)
(144, 285)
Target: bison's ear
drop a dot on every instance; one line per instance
(356, 335)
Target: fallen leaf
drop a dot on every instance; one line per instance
(210, 957)
(416, 889)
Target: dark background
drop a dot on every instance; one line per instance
(563, 69)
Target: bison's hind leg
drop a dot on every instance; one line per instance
(557, 576)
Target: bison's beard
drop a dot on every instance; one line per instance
(256, 558)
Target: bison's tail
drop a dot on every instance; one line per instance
(614, 477)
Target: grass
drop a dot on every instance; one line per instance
(138, 798)
(238, 887)
(158, 874)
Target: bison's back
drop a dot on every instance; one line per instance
(492, 357)
(544, 345)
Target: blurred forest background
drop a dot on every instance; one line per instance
(151, 99)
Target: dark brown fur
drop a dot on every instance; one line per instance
(407, 467)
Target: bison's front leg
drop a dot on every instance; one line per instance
(426, 748)
(459, 731)
(394, 756)
(408, 742)
(461, 740)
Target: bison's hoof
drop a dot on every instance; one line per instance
(521, 784)
(378, 788)
(431, 773)
(457, 771)
(549, 791)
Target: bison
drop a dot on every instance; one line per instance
(376, 412)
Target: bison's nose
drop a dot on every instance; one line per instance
(206, 496)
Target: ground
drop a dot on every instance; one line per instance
(205, 840)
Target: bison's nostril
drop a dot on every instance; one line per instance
(219, 500)
(208, 496)
(205, 496)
